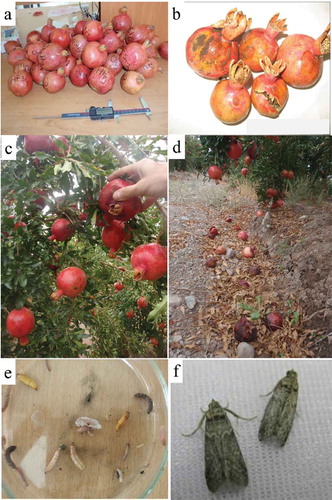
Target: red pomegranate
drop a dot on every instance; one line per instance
(33, 143)
(94, 54)
(139, 33)
(163, 49)
(46, 30)
(20, 323)
(61, 37)
(38, 74)
(220, 250)
(77, 44)
(142, 302)
(260, 42)
(132, 82)
(16, 54)
(33, 36)
(23, 65)
(273, 321)
(245, 330)
(112, 40)
(243, 235)
(130, 313)
(40, 202)
(133, 56)
(11, 44)
(215, 172)
(54, 81)
(93, 30)
(210, 50)
(113, 236)
(62, 230)
(70, 282)
(303, 57)
(234, 151)
(79, 26)
(20, 83)
(230, 100)
(119, 210)
(118, 286)
(122, 22)
(113, 63)
(52, 57)
(245, 171)
(34, 49)
(269, 92)
(153, 341)
(149, 262)
(260, 213)
(101, 79)
(79, 75)
(252, 151)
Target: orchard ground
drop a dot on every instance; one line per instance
(293, 251)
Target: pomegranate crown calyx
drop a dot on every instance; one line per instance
(272, 69)
(234, 24)
(276, 24)
(239, 72)
(323, 42)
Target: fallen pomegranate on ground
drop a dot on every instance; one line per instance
(70, 282)
(220, 250)
(273, 321)
(210, 50)
(149, 262)
(248, 252)
(20, 323)
(245, 330)
(211, 262)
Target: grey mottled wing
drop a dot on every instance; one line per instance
(272, 413)
(287, 415)
(223, 457)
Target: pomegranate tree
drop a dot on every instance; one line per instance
(119, 210)
(210, 50)
(70, 282)
(149, 262)
(20, 323)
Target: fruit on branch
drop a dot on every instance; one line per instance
(20, 323)
(70, 282)
(149, 262)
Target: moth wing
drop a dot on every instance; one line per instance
(235, 466)
(286, 418)
(214, 455)
(272, 412)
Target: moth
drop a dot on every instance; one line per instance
(224, 461)
(280, 410)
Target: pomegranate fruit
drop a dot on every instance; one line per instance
(220, 250)
(215, 172)
(61, 37)
(260, 42)
(248, 160)
(254, 270)
(153, 341)
(94, 55)
(284, 174)
(273, 321)
(245, 330)
(248, 253)
(20, 323)
(112, 40)
(20, 83)
(149, 262)
(279, 203)
(54, 81)
(150, 68)
(34, 49)
(133, 56)
(210, 50)
(113, 236)
(118, 286)
(79, 26)
(46, 31)
(132, 81)
(11, 44)
(77, 44)
(113, 63)
(101, 80)
(252, 151)
(139, 33)
(38, 74)
(130, 313)
(61, 230)
(79, 75)
(69, 65)
(228, 219)
(122, 22)
(303, 57)
(243, 235)
(269, 92)
(93, 31)
(213, 230)
(236, 227)
(230, 100)
(260, 213)
(16, 54)
(243, 283)
(245, 172)
(34, 36)
(23, 65)
(52, 57)
(234, 151)
(290, 174)
(33, 143)
(163, 49)
(70, 282)
(211, 262)
(142, 302)
(119, 210)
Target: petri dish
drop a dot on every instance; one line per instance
(38, 421)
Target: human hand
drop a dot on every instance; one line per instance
(150, 179)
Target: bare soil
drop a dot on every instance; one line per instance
(293, 251)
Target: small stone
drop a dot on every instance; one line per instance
(174, 301)
(175, 338)
(245, 350)
(230, 254)
(190, 301)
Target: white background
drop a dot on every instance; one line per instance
(307, 110)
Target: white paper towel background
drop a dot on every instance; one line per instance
(301, 470)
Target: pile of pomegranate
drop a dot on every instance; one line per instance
(90, 53)
(213, 53)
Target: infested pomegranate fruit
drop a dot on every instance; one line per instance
(113, 236)
(46, 30)
(70, 282)
(230, 100)
(220, 250)
(243, 235)
(122, 22)
(245, 172)
(234, 151)
(243, 283)
(210, 50)
(211, 262)
(269, 92)
(149, 262)
(130, 313)
(118, 286)
(119, 210)
(248, 253)
(237, 227)
(303, 57)
(62, 230)
(260, 213)
(33, 143)
(213, 230)
(273, 321)
(254, 270)
(260, 42)
(20, 323)
(215, 172)
(142, 302)
(245, 330)
(229, 219)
